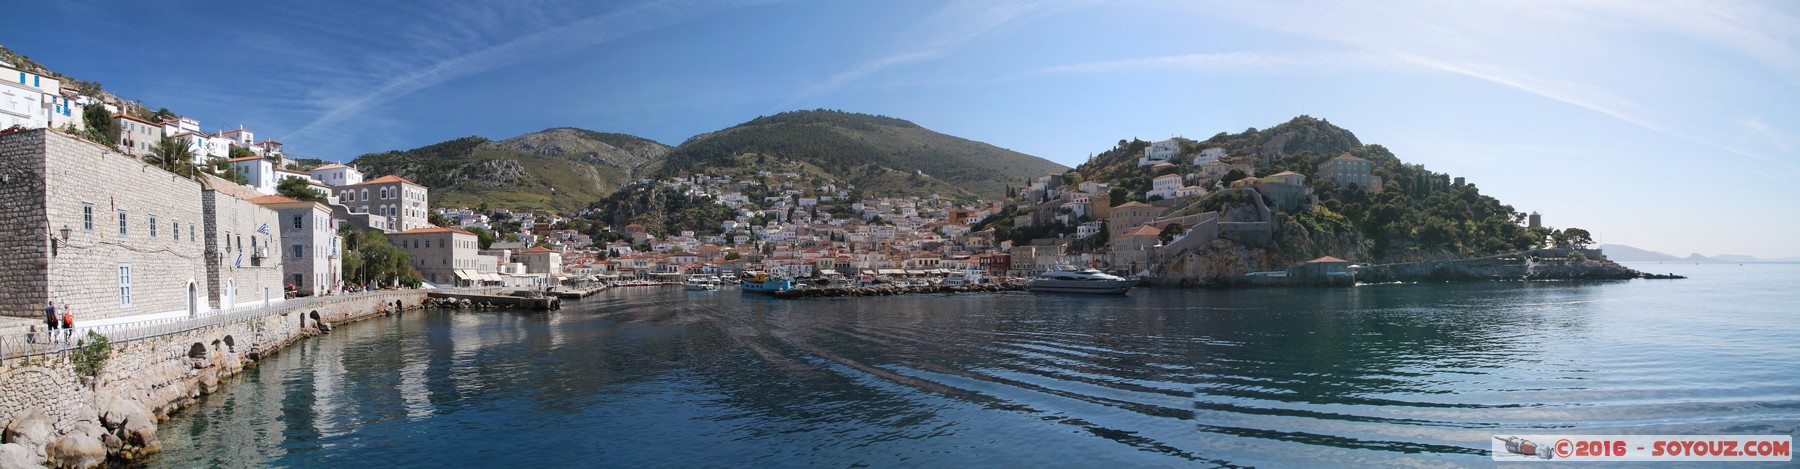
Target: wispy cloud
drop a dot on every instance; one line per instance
(339, 104)
(1597, 100)
(940, 34)
(1587, 54)
(1228, 62)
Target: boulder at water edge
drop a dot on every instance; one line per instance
(32, 430)
(77, 451)
(16, 456)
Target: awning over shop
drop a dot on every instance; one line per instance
(466, 275)
(828, 272)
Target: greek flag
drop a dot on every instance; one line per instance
(240, 259)
(264, 229)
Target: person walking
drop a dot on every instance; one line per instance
(68, 323)
(50, 321)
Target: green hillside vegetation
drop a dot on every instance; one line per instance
(662, 210)
(881, 155)
(1417, 215)
(557, 169)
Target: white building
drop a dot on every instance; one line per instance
(309, 244)
(1160, 152)
(26, 99)
(1170, 186)
(1208, 156)
(337, 175)
(259, 173)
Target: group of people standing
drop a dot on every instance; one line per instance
(52, 320)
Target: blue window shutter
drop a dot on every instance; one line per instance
(34, 80)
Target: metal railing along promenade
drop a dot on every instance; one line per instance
(41, 343)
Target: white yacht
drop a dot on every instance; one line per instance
(1067, 279)
(965, 277)
(701, 282)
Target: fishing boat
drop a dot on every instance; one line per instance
(765, 283)
(1066, 279)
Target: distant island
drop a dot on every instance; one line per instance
(1623, 253)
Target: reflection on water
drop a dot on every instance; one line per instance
(1381, 375)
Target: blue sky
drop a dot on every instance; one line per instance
(1667, 126)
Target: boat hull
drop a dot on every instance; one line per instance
(1099, 287)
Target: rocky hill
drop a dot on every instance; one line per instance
(1415, 215)
(561, 168)
(877, 154)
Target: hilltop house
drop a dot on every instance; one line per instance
(1160, 152)
(31, 100)
(1346, 170)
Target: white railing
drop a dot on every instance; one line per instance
(32, 344)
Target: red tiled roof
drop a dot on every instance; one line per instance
(246, 158)
(330, 166)
(1146, 230)
(131, 117)
(434, 229)
(388, 179)
(272, 199)
(537, 249)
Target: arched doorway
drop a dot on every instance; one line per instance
(230, 295)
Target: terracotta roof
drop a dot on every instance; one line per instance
(246, 158)
(273, 199)
(1145, 230)
(330, 166)
(388, 179)
(1326, 259)
(1286, 173)
(1132, 204)
(1347, 157)
(131, 117)
(233, 131)
(537, 249)
(434, 229)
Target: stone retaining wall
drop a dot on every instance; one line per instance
(160, 375)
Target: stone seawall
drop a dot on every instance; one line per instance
(54, 417)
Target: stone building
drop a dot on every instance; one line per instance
(1346, 170)
(1130, 215)
(538, 260)
(1135, 250)
(97, 230)
(309, 244)
(242, 262)
(405, 203)
(136, 135)
(443, 256)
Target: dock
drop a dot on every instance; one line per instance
(461, 300)
(577, 293)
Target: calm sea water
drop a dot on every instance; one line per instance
(1385, 375)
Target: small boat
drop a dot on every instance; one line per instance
(966, 277)
(765, 283)
(701, 283)
(1066, 279)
